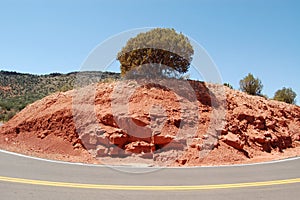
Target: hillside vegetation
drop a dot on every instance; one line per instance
(19, 89)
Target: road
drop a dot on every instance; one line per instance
(26, 178)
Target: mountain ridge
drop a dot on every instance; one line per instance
(20, 89)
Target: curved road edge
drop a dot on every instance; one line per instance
(23, 169)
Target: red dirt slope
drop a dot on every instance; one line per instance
(158, 124)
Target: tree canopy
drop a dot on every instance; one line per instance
(286, 95)
(159, 49)
(251, 85)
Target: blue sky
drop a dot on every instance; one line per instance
(241, 36)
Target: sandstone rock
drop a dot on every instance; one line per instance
(207, 145)
(260, 123)
(234, 128)
(43, 134)
(119, 139)
(146, 155)
(223, 131)
(100, 131)
(269, 142)
(175, 121)
(49, 127)
(108, 119)
(260, 139)
(243, 116)
(196, 143)
(116, 151)
(205, 137)
(182, 161)
(176, 144)
(284, 142)
(271, 124)
(139, 147)
(282, 123)
(89, 140)
(102, 151)
(77, 146)
(103, 140)
(140, 120)
(133, 127)
(163, 139)
(234, 141)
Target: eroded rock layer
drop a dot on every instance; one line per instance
(171, 126)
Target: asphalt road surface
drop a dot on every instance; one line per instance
(26, 178)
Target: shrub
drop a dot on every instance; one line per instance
(228, 85)
(286, 95)
(251, 85)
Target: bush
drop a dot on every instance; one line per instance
(286, 95)
(160, 51)
(228, 85)
(251, 85)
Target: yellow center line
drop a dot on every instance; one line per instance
(150, 187)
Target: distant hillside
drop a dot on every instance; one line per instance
(18, 89)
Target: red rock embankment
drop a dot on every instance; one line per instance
(171, 128)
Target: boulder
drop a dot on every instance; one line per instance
(139, 147)
(233, 141)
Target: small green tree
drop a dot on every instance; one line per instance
(155, 50)
(228, 85)
(286, 95)
(251, 85)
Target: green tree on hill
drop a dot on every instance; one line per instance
(251, 85)
(286, 95)
(161, 50)
(228, 85)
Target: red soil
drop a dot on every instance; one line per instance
(161, 126)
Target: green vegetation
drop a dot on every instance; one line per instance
(286, 95)
(158, 52)
(251, 85)
(228, 85)
(18, 89)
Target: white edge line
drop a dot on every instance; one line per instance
(132, 166)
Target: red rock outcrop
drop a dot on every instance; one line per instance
(156, 122)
